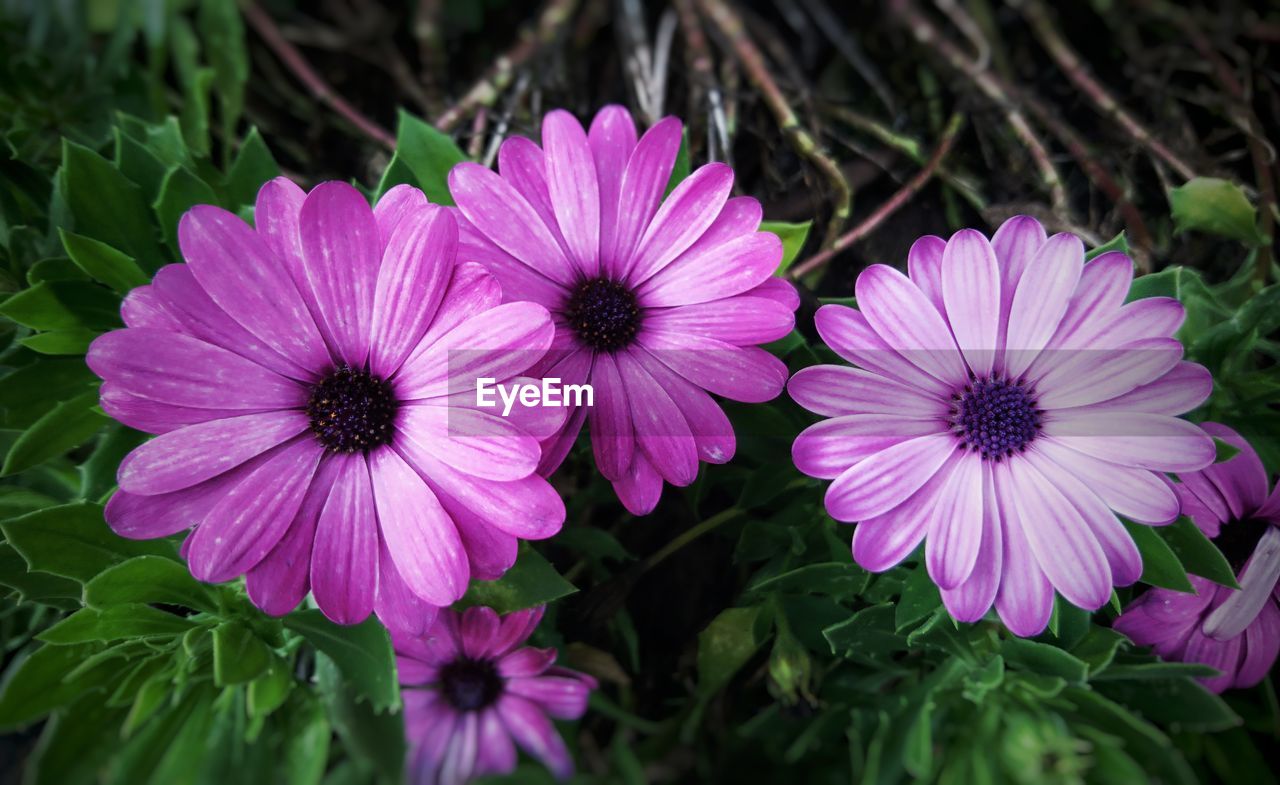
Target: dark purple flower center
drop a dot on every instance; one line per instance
(1238, 539)
(352, 410)
(470, 685)
(995, 417)
(604, 314)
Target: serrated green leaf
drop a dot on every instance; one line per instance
(834, 579)
(1043, 659)
(149, 579)
(107, 206)
(1181, 704)
(920, 597)
(180, 191)
(238, 655)
(146, 700)
(55, 268)
(1098, 648)
(1196, 552)
(423, 158)
(1215, 206)
(35, 586)
(68, 424)
(307, 749)
(362, 652)
(74, 541)
(30, 391)
(1118, 243)
(531, 581)
(1160, 565)
(1156, 670)
(869, 631)
(119, 622)
(36, 686)
(103, 263)
(61, 342)
(254, 166)
(269, 690)
(793, 237)
(64, 305)
(725, 646)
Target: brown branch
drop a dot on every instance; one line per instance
(888, 208)
(731, 27)
(1038, 16)
(484, 93)
(928, 36)
(292, 59)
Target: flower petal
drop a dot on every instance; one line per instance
(743, 320)
(827, 448)
(971, 600)
(834, 390)
(740, 373)
(1148, 441)
(341, 252)
(279, 582)
(711, 430)
(905, 320)
(1241, 479)
(849, 335)
(955, 525)
(1040, 300)
(1257, 583)
(640, 187)
(1025, 598)
(398, 608)
(612, 138)
(473, 442)
(535, 734)
(924, 267)
(612, 433)
(883, 541)
(344, 563)
(1137, 494)
(971, 295)
(682, 218)
(660, 427)
(882, 481)
(575, 191)
(1183, 388)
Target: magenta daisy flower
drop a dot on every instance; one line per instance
(310, 429)
(657, 302)
(1236, 631)
(472, 693)
(1008, 405)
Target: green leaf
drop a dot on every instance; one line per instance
(1098, 648)
(920, 597)
(180, 191)
(725, 646)
(1182, 704)
(834, 579)
(423, 158)
(74, 541)
(1118, 243)
(1156, 670)
(149, 579)
(102, 262)
(224, 43)
(1225, 451)
(306, 752)
(1196, 552)
(869, 631)
(63, 305)
(1215, 206)
(30, 391)
(60, 342)
(917, 750)
(376, 741)
(1160, 565)
(38, 684)
(68, 424)
(531, 581)
(35, 586)
(73, 744)
(269, 690)
(254, 166)
(238, 655)
(1043, 659)
(362, 652)
(680, 170)
(107, 206)
(792, 236)
(132, 620)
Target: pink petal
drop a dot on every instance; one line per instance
(712, 432)
(682, 218)
(523, 164)
(971, 295)
(883, 541)
(740, 373)
(640, 488)
(479, 444)
(612, 433)
(174, 368)
(660, 428)
(275, 217)
(422, 539)
(515, 629)
(1061, 540)
(415, 273)
(1137, 494)
(833, 390)
(905, 319)
(714, 273)
(1084, 377)
(472, 291)
(562, 697)
(1148, 441)
(344, 564)
(279, 582)
(882, 481)
(779, 290)
(1025, 598)
(1241, 479)
(519, 281)
(924, 267)
(955, 525)
(252, 517)
(535, 734)
(1261, 645)
(151, 416)
(1016, 243)
(497, 752)
(477, 628)
(1040, 300)
(143, 307)
(575, 192)
(1183, 388)
(395, 205)
(1103, 285)
(826, 449)
(241, 274)
(341, 252)
(180, 459)
(971, 600)
(849, 335)
(397, 606)
(501, 214)
(639, 186)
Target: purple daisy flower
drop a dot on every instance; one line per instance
(472, 693)
(1236, 631)
(309, 423)
(656, 301)
(1007, 406)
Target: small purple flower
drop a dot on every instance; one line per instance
(1008, 405)
(1235, 631)
(656, 301)
(472, 693)
(299, 380)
